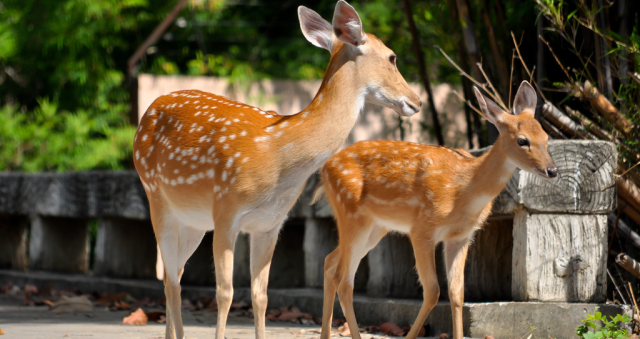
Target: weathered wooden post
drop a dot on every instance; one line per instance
(560, 233)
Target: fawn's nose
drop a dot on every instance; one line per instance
(552, 172)
(420, 101)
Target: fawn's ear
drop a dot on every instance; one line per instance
(525, 100)
(347, 25)
(316, 29)
(491, 110)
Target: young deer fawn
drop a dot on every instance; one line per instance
(206, 160)
(433, 194)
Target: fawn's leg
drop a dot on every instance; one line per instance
(330, 266)
(455, 254)
(350, 256)
(424, 251)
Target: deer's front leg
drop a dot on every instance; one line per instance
(455, 254)
(223, 246)
(262, 246)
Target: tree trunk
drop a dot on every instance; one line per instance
(540, 71)
(470, 117)
(424, 73)
(501, 65)
(469, 36)
(473, 51)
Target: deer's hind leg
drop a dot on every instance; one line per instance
(356, 240)
(330, 266)
(177, 243)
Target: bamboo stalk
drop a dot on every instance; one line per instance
(628, 264)
(624, 231)
(562, 121)
(588, 124)
(629, 172)
(552, 130)
(604, 106)
(630, 212)
(628, 191)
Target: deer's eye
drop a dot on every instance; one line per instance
(392, 59)
(523, 142)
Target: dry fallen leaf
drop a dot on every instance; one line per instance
(120, 305)
(338, 322)
(72, 304)
(274, 312)
(156, 316)
(391, 329)
(136, 318)
(422, 332)
(48, 303)
(1, 332)
(30, 289)
(286, 316)
(108, 299)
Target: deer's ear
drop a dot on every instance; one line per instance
(491, 110)
(525, 100)
(347, 25)
(316, 29)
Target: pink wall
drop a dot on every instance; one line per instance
(291, 96)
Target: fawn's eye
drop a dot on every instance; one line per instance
(523, 142)
(392, 59)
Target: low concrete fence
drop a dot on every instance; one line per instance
(545, 241)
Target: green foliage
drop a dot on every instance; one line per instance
(49, 139)
(603, 328)
(65, 104)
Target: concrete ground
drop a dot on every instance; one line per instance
(20, 321)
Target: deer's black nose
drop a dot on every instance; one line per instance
(552, 172)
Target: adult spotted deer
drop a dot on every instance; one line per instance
(433, 194)
(208, 162)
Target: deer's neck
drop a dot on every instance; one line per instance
(492, 172)
(322, 128)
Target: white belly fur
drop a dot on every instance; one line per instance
(393, 225)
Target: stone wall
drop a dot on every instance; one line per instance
(545, 241)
